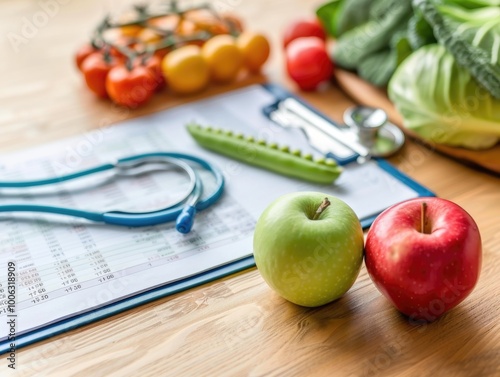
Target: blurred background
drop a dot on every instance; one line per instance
(38, 44)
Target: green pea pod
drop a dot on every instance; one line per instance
(268, 156)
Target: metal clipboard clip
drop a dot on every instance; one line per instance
(367, 132)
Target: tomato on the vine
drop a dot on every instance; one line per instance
(153, 63)
(130, 30)
(233, 21)
(197, 20)
(185, 70)
(82, 54)
(162, 52)
(255, 49)
(115, 42)
(130, 87)
(95, 69)
(149, 36)
(141, 52)
(167, 22)
(223, 56)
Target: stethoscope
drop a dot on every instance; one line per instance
(183, 211)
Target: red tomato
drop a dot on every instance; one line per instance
(82, 54)
(161, 53)
(113, 51)
(130, 88)
(154, 64)
(308, 63)
(303, 28)
(95, 68)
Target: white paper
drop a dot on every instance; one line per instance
(68, 266)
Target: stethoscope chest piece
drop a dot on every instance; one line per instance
(374, 131)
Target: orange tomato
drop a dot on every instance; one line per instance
(130, 31)
(255, 49)
(205, 20)
(223, 57)
(148, 36)
(185, 70)
(186, 28)
(164, 22)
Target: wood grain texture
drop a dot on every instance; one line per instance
(366, 94)
(237, 326)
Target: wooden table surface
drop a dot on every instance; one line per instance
(237, 326)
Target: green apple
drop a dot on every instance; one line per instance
(308, 247)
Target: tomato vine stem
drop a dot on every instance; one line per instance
(168, 37)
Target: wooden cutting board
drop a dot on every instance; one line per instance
(369, 95)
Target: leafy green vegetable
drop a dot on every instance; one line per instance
(447, 93)
(441, 101)
(366, 32)
(401, 47)
(378, 8)
(378, 67)
(339, 16)
(419, 31)
(354, 13)
(472, 4)
(471, 35)
(372, 36)
(328, 14)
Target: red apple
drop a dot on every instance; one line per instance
(424, 255)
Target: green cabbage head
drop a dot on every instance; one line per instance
(441, 102)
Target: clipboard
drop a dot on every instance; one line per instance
(340, 153)
(275, 93)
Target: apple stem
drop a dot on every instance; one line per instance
(325, 203)
(422, 217)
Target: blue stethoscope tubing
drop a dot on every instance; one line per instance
(182, 212)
